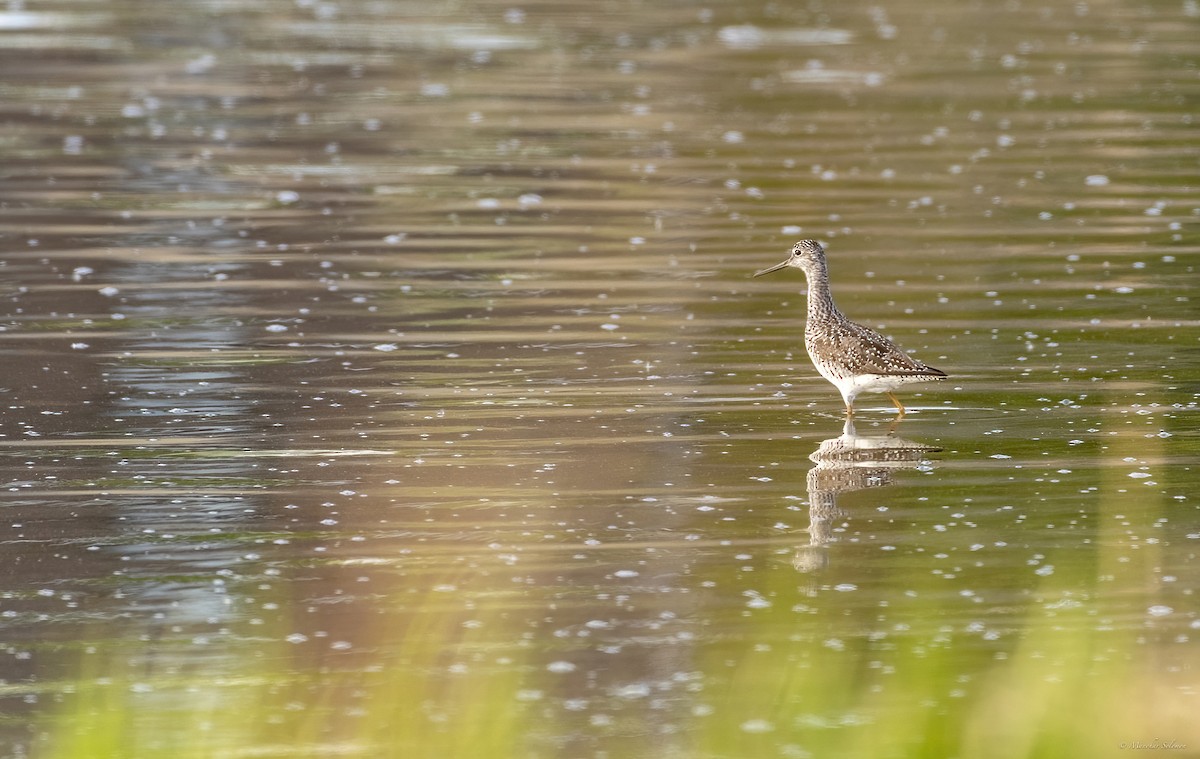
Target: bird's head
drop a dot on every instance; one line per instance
(804, 256)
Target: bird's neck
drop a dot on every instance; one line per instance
(820, 299)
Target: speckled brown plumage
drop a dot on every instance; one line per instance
(856, 359)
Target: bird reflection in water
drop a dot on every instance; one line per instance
(849, 462)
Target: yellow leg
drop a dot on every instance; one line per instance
(896, 403)
(849, 409)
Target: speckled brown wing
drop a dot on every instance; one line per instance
(864, 351)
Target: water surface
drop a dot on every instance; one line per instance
(387, 381)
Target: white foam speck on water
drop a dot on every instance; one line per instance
(742, 36)
(632, 691)
(758, 602)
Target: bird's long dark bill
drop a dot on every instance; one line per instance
(769, 269)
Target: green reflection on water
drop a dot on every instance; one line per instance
(902, 662)
(438, 688)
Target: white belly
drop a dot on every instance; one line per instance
(851, 386)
